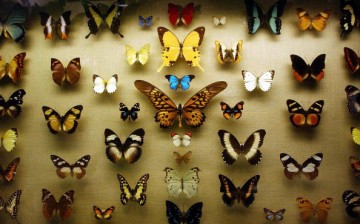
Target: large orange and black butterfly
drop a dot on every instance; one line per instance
(191, 111)
(352, 60)
(352, 202)
(305, 118)
(304, 71)
(309, 167)
(12, 107)
(318, 22)
(9, 173)
(103, 214)
(12, 205)
(65, 169)
(235, 111)
(67, 123)
(13, 69)
(51, 206)
(71, 73)
(308, 209)
(134, 194)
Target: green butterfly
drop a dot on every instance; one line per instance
(12, 26)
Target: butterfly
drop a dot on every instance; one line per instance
(187, 184)
(12, 204)
(97, 18)
(219, 21)
(263, 82)
(350, 17)
(129, 150)
(308, 209)
(145, 22)
(176, 216)
(183, 82)
(250, 149)
(303, 71)
(309, 167)
(8, 141)
(182, 158)
(178, 140)
(352, 202)
(13, 69)
(103, 214)
(179, 15)
(274, 216)
(355, 133)
(129, 114)
(352, 60)
(12, 27)
(235, 111)
(71, 73)
(10, 172)
(256, 18)
(318, 22)
(136, 194)
(189, 48)
(244, 194)
(225, 55)
(67, 123)
(191, 111)
(12, 107)
(355, 166)
(353, 94)
(302, 118)
(65, 169)
(59, 26)
(100, 85)
(62, 207)
(141, 56)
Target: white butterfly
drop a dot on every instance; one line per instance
(219, 21)
(185, 140)
(188, 184)
(100, 84)
(142, 55)
(263, 82)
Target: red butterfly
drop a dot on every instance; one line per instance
(352, 60)
(178, 14)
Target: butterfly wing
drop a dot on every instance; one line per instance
(194, 213)
(143, 54)
(140, 189)
(103, 214)
(78, 169)
(15, 67)
(298, 118)
(352, 202)
(230, 193)
(313, 114)
(53, 119)
(12, 107)
(63, 167)
(187, 13)
(62, 24)
(317, 67)
(173, 80)
(191, 181)
(174, 14)
(94, 15)
(132, 151)
(173, 213)
(133, 111)
(186, 139)
(355, 133)
(10, 172)
(12, 205)
(176, 139)
(250, 80)
(13, 26)
(255, 16)
(49, 204)
(248, 190)
(190, 47)
(273, 16)
(352, 60)
(319, 22)
(353, 98)
(126, 191)
(220, 52)
(47, 21)
(174, 182)
(355, 166)
(349, 17)
(73, 71)
(310, 166)
(111, 84)
(99, 84)
(58, 71)
(291, 166)
(265, 80)
(114, 149)
(9, 139)
(69, 121)
(113, 14)
(252, 145)
(131, 54)
(232, 147)
(304, 19)
(64, 203)
(322, 209)
(306, 209)
(185, 81)
(301, 69)
(171, 47)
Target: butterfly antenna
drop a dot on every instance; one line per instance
(122, 36)
(87, 36)
(16, 221)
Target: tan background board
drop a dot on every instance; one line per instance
(104, 54)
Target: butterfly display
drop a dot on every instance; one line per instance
(188, 49)
(250, 149)
(98, 18)
(225, 55)
(145, 21)
(318, 22)
(129, 150)
(303, 118)
(308, 209)
(350, 17)
(131, 114)
(67, 123)
(219, 21)
(11, 205)
(274, 216)
(309, 167)
(52, 207)
(180, 15)
(65, 169)
(353, 97)
(182, 158)
(176, 216)
(141, 56)
(178, 140)
(8, 141)
(192, 109)
(355, 133)
(71, 73)
(183, 82)
(304, 71)
(187, 184)
(235, 111)
(103, 214)
(12, 107)
(263, 82)
(352, 60)
(13, 25)
(100, 85)
(9, 173)
(352, 201)
(355, 166)
(13, 69)
(133, 194)
(244, 194)
(256, 18)
(60, 26)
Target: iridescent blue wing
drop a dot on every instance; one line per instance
(273, 16)
(149, 21)
(255, 16)
(173, 80)
(185, 81)
(142, 21)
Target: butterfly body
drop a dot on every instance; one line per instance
(9, 173)
(103, 214)
(12, 27)
(352, 201)
(176, 216)
(12, 204)
(12, 107)
(100, 85)
(219, 21)
(183, 82)
(318, 22)
(309, 167)
(235, 111)
(135, 194)
(52, 207)
(350, 17)
(303, 118)
(129, 114)
(13, 69)
(179, 15)
(145, 22)
(8, 141)
(352, 60)
(60, 26)
(141, 56)
(65, 169)
(262, 82)
(274, 215)
(303, 71)
(308, 210)
(225, 55)
(187, 184)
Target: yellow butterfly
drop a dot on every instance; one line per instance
(67, 123)
(13, 69)
(142, 55)
(187, 49)
(355, 133)
(192, 109)
(8, 141)
(306, 22)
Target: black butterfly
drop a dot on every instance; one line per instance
(309, 168)
(11, 206)
(12, 107)
(305, 118)
(176, 216)
(129, 114)
(350, 17)
(304, 71)
(353, 97)
(232, 111)
(352, 202)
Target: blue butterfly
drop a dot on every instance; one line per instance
(184, 82)
(12, 26)
(146, 22)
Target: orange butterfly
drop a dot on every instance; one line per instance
(8, 174)
(71, 73)
(318, 22)
(103, 214)
(182, 158)
(191, 111)
(13, 69)
(307, 209)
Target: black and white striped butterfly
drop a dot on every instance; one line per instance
(309, 168)
(129, 114)
(352, 202)
(176, 216)
(11, 206)
(65, 169)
